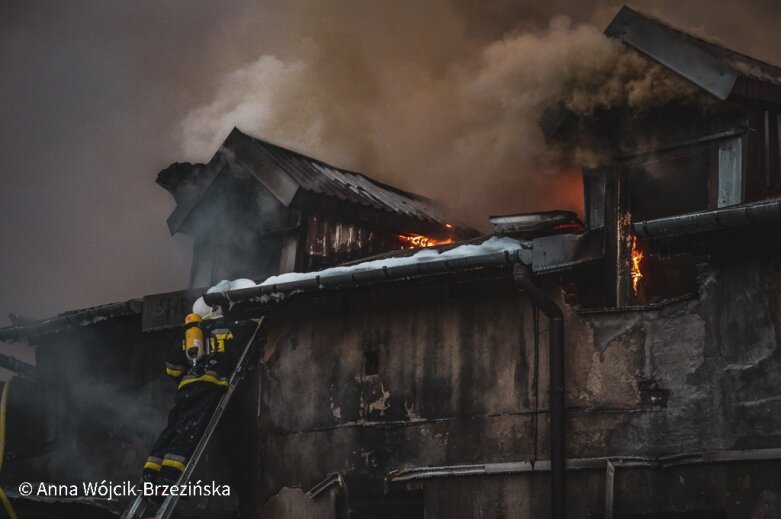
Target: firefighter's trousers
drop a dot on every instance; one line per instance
(187, 421)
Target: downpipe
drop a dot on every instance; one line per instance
(522, 278)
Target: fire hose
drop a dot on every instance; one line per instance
(9, 510)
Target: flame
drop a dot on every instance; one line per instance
(416, 241)
(637, 274)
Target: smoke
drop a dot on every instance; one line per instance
(96, 405)
(440, 97)
(112, 426)
(456, 120)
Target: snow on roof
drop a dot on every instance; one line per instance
(492, 245)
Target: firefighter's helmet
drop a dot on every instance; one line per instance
(192, 318)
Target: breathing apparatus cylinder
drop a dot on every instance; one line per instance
(193, 338)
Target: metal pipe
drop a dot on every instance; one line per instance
(333, 479)
(522, 278)
(512, 467)
(522, 467)
(712, 220)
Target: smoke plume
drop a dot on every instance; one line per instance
(456, 120)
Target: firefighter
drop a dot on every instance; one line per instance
(201, 365)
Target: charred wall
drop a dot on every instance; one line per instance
(444, 375)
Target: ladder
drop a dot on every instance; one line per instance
(137, 507)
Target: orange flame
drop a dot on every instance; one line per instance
(637, 274)
(416, 241)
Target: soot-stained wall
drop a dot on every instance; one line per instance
(443, 374)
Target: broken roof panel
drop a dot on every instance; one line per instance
(713, 68)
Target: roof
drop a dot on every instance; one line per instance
(83, 317)
(286, 173)
(428, 262)
(318, 177)
(713, 68)
(160, 311)
(545, 253)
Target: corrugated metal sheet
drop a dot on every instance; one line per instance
(321, 178)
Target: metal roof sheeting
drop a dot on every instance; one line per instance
(321, 178)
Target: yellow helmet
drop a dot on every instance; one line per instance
(192, 318)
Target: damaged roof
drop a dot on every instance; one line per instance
(285, 174)
(714, 68)
(82, 317)
(157, 312)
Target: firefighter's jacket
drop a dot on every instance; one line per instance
(224, 346)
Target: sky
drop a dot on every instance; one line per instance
(96, 97)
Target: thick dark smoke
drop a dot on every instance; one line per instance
(438, 97)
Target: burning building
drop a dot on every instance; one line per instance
(622, 365)
(257, 210)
